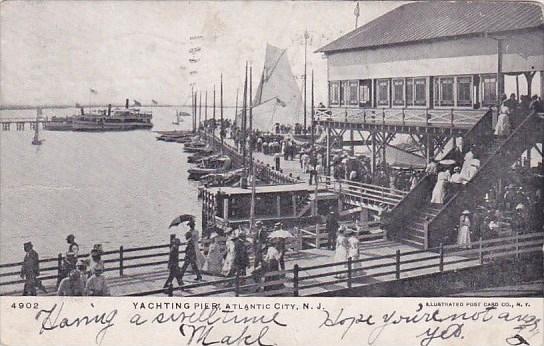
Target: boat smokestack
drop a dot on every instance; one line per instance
(126, 103)
(109, 109)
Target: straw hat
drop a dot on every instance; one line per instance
(465, 212)
(520, 206)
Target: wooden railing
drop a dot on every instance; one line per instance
(495, 166)
(316, 236)
(310, 280)
(454, 118)
(382, 196)
(119, 260)
(481, 132)
(263, 170)
(406, 264)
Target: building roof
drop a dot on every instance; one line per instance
(422, 21)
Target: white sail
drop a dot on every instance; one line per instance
(278, 98)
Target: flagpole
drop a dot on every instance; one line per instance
(206, 111)
(356, 13)
(199, 111)
(312, 110)
(236, 108)
(251, 165)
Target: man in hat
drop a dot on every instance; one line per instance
(71, 285)
(30, 271)
(190, 258)
(97, 285)
(68, 264)
(173, 264)
(332, 227)
(241, 256)
(259, 242)
(72, 245)
(519, 220)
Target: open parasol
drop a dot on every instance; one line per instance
(180, 219)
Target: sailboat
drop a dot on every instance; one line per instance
(36, 140)
(278, 98)
(178, 120)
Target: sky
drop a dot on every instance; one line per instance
(54, 52)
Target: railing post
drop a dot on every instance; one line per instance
(296, 269)
(452, 117)
(317, 238)
(170, 290)
(237, 284)
(441, 264)
(349, 272)
(517, 245)
(172, 237)
(397, 264)
(59, 268)
(121, 260)
(480, 252)
(403, 117)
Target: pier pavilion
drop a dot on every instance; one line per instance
(431, 70)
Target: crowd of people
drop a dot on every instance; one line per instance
(76, 276)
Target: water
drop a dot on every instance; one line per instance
(114, 188)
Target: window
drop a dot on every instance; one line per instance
(382, 92)
(398, 92)
(446, 91)
(344, 93)
(489, 90)
(353, 85)
(416, 92)
(334, 93)
(409, 91)
(420, 98)
(365, 93)
(464, 91)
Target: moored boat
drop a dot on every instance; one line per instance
(119, 119)
(213, 165)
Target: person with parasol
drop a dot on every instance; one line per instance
(279, 235)
(463, 237)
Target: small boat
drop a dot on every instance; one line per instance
(198, 156)
(193, 147)
(213, 165)
(178, 120)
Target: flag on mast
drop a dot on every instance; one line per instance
(93, 91)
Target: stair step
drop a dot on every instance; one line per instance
(412, 243)
(411, 230)
(414, 237)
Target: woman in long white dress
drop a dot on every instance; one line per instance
(466, 163)
(502, 128)
(439, 191)
(354, 253)
(463, 237)
(200, 259)
(229, 258)
(214, 261)
(341, 252)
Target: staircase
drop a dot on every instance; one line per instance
(418, 223)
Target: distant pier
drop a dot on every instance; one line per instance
(20, 124)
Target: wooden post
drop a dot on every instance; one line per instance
(170, 290)
(237, 284)
(295, 280)
(441, 264)
(349, 272)
(397, 264)
(317, 238)
(403, 117)
(172, 237)
(121, 260)
(59, 268)
(480, 252)
(517, 245)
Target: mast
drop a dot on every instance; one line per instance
(243, 131)
(206, 111)
(221, 131)
(213, 125)
(199, 111)
(251, 165)
(236, 108)
(305, 75)
(312, 104)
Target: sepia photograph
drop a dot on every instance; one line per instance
(271, 149)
